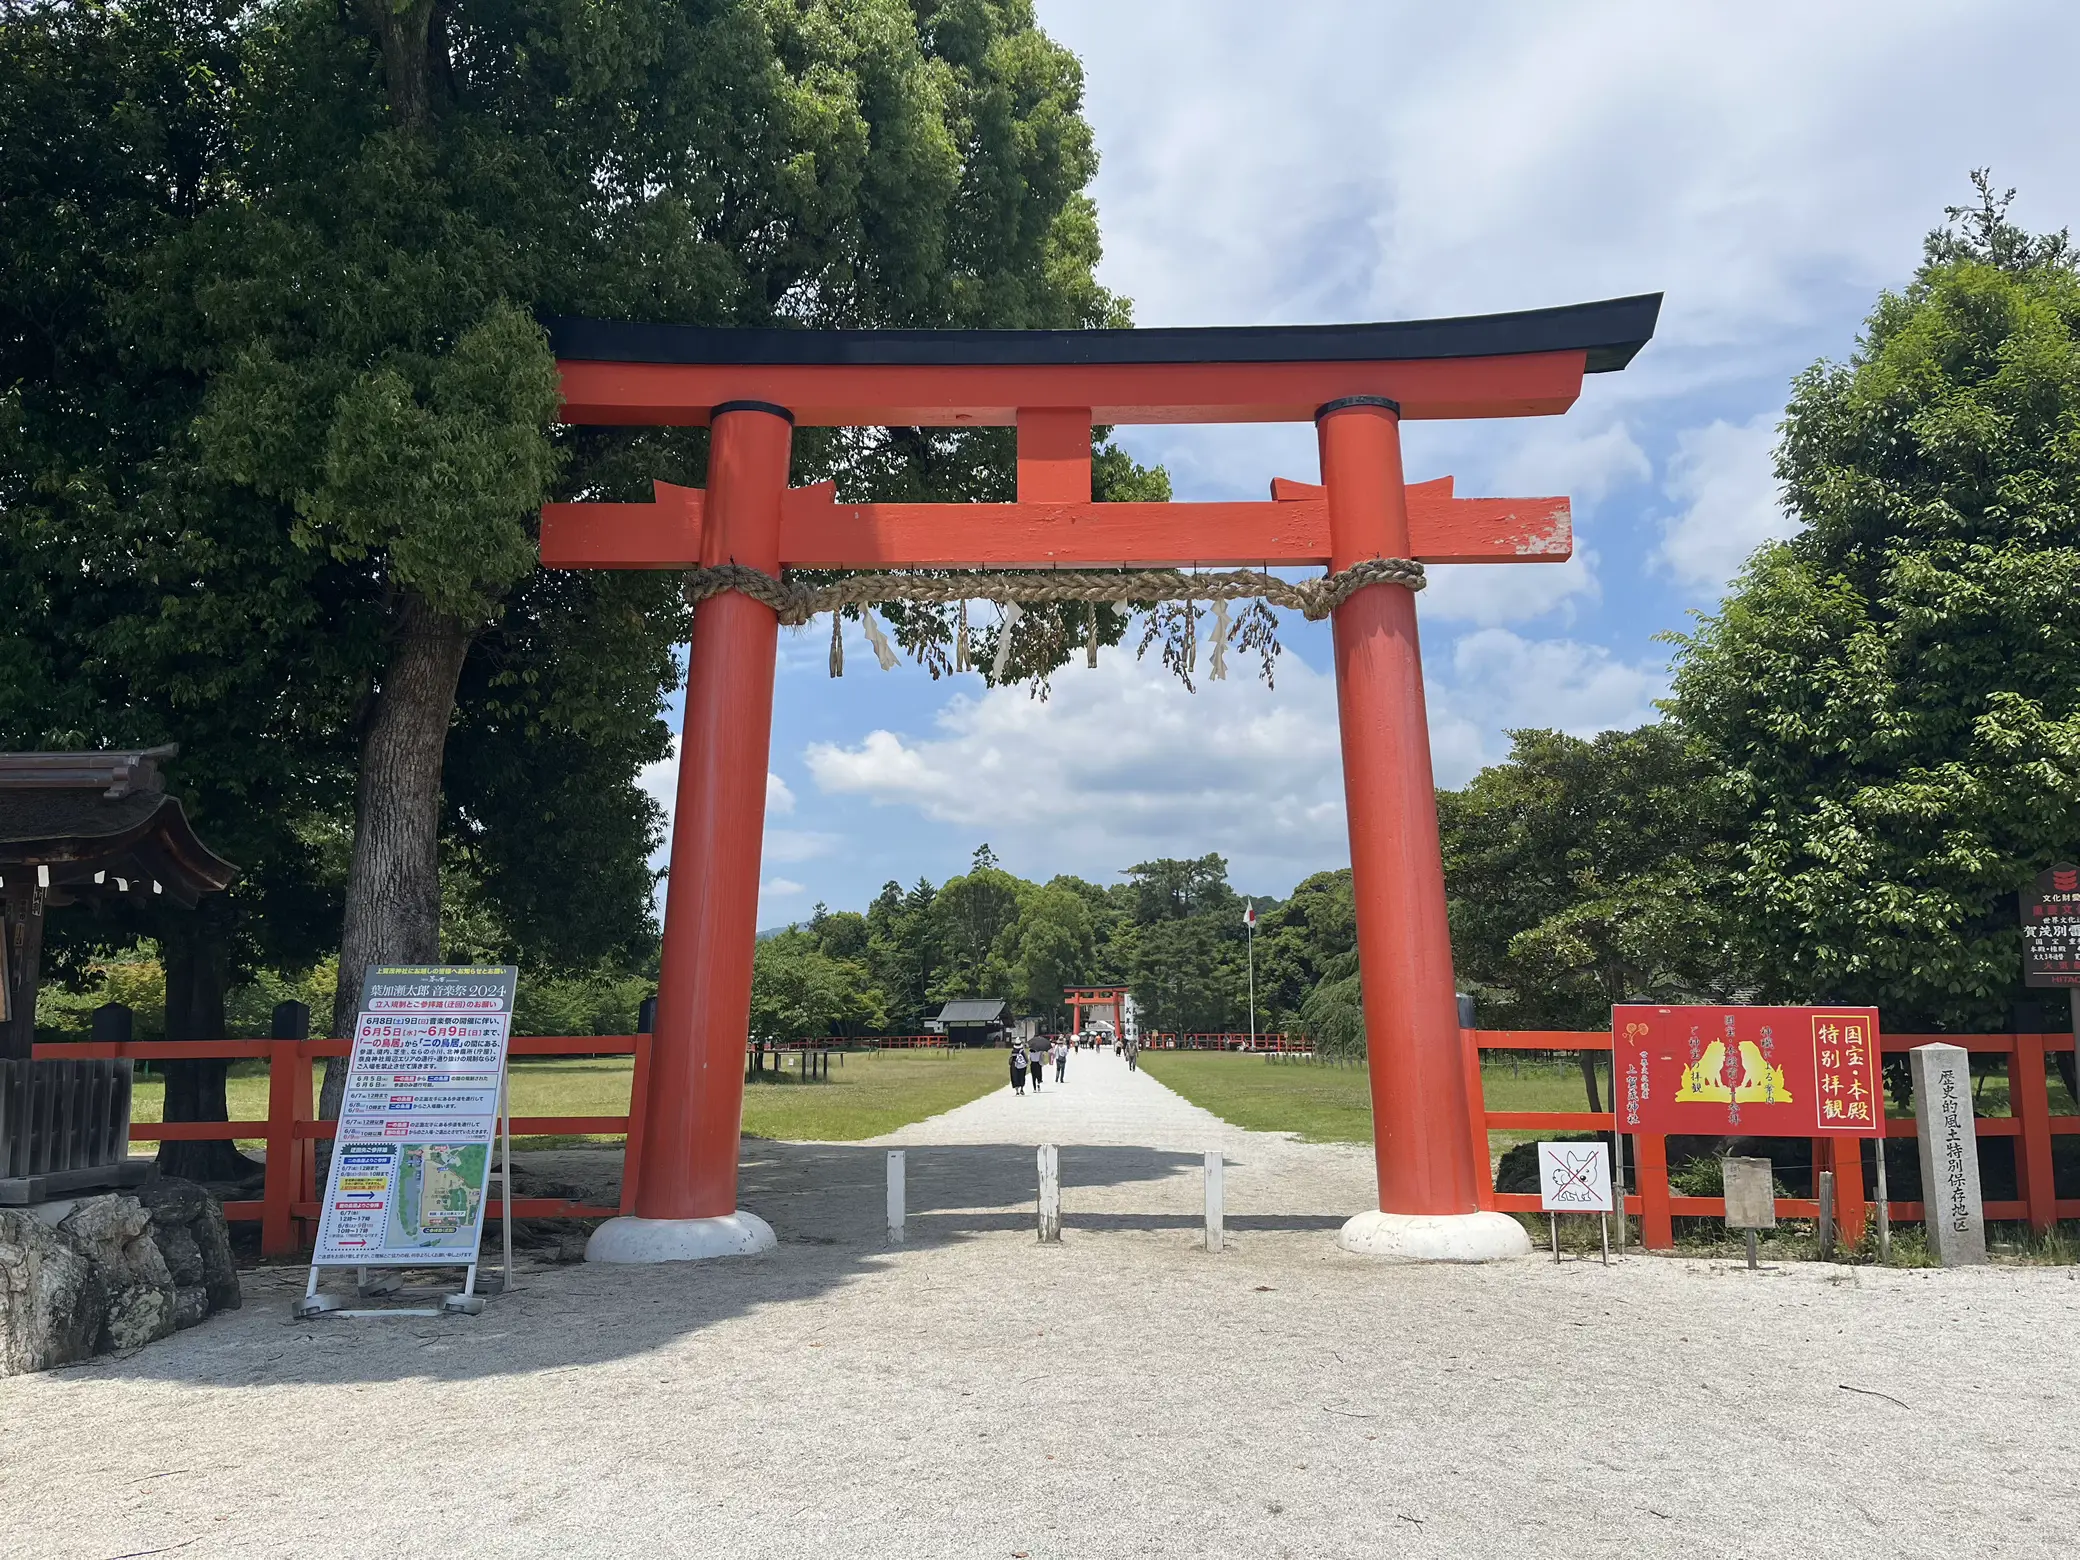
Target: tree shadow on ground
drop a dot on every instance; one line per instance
(826, 1201)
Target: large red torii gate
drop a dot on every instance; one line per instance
(1356, 383)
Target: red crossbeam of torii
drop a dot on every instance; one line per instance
(1356, 383)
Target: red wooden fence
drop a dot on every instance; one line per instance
(2030, 1123)
(288, 1206)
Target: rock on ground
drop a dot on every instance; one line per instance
(52, 1305)
(117, 1272)
(189, 1229)
(111, 1231)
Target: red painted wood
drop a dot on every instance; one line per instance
(1054, 457)
(1543, 1039)
(152, 1050)
(1423, 1142)
(574, 1045)
(2031, 1107)
(1549, 1120)
(288, 1101)
(1656, 1230)
(1846, 1155)
(632, 1147)
(875, 395)
(694, 1102)
(1477, 1116)
(816, 532)
(195, 1131)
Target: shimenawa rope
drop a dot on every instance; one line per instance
(797, 603)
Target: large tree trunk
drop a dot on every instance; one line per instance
(197, 954)
(393, 883)
(1588, 1059)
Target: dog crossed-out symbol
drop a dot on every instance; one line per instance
(1572, 1177)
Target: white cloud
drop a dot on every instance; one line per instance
(1119, 765)
(779, 902)
(797, 845)
(1406, 157)
(1493, 681)
(1493, 593)
(661, 781)
(1123, 764)
(1722, 476)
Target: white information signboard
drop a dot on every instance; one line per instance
(412, 1161)
(1574, 1177)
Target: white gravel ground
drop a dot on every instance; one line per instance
(1124, 1393)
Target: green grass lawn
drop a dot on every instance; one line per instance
(1328, 1103)
(867, 1093)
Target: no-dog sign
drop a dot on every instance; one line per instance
(1574, 1177)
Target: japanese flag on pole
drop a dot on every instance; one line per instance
(1249, 915)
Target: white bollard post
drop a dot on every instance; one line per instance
(895, 1195)
(1050, 1193)
(1213, 1200)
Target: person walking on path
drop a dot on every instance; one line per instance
(1133, 1055)
(1061, 1059)
(1038, 1065)
(1018, 1067)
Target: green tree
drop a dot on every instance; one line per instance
(1893, 695)
(903, 951)
(312, 257)
(978, 916)
(141, 600)
(1186, 956)
(799, 992)
(1583, 873)
(1055, 944)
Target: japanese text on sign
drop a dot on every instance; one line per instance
(2051, 928)
(1752, 1071)
(413, 1156)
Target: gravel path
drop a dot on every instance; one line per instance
(1123, 1393)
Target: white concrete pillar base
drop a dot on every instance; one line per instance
(1448, 1237)
(629, 1239)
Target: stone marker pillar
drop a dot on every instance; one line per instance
(1950, 1199)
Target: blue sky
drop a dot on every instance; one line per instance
(1769, 167)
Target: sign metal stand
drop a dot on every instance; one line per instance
(426, 1096)
(1576, 1178)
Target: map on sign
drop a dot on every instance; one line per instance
(412, 1160)
(1574, 1177)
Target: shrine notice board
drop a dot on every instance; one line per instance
(2051, 928)
(1747, 1071)
(412, 1160)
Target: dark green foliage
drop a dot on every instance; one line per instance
(1893, 695)
(1586, 873)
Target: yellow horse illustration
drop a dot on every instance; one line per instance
(1761, 1084)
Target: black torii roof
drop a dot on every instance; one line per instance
(1610, 332)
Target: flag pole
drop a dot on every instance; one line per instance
(1249, 924)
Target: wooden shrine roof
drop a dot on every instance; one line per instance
(102, 827)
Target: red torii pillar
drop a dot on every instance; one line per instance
(1356, 383)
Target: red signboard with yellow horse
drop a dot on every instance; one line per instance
(1747, 1071)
